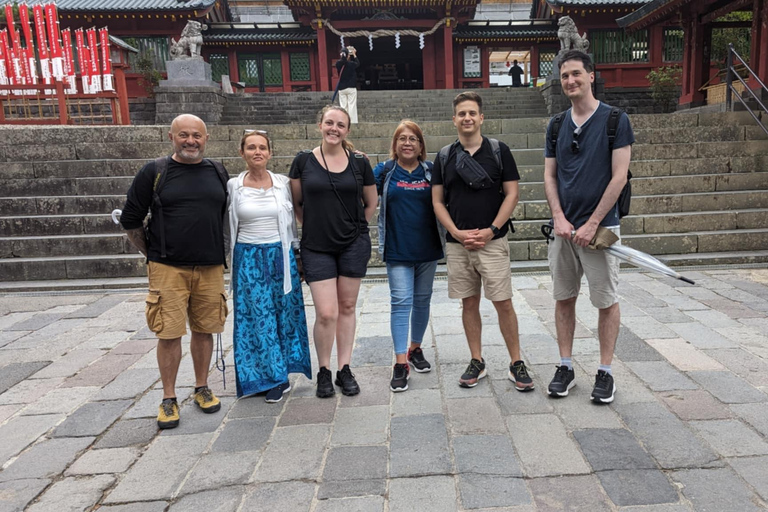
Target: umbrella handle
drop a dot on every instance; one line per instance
(116, 216)
(546, 230)
(686, 280)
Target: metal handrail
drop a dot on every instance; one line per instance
(729, 90)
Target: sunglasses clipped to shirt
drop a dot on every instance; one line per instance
(575, 148)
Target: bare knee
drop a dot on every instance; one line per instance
(347, 307)
(327, 316)
(504, 306)
(566, 303)
(471, 303)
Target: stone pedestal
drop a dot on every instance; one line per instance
(189, 90)
(188, 72)
(557, 101)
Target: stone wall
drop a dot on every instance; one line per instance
(633, 100)
(142, 111)
(205, 102)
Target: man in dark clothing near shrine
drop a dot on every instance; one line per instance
(347, 67)
(516, 72)
(185, 249)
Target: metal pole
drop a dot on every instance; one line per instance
(729, 78)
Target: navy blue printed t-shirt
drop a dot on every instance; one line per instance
(412, 235)
(583, 177)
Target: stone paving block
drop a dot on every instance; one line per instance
(665, 437)
(255, 407)
(569, 494)
(699, 336)
(357, 467)
(152, 477)
(54, 331)
(427, 494)
(146, 406)
(102, 371)
(14, 496)
(107, 340)
(661, 376)
(449, 383)
(463, 414)
(110, 460)
(195, 421)
(374, 388)
(487, 455)
(244, 435)
(302, 411)
(129, 384)
(452, 349)
(643, 328)
(428, 432)
(752, 470)
(744, 364)
(221, 500)
(713, 319)
(361, 425)
(372, 351)
(727, 387)
(8, 337)
(716, 489)
(92, 418)
(294, 453)
(481, 491)
(371, 329)
(666, 315)
(129, 432)
(145, 506)
(95, 309)
(220, 469)
(637, 487)
(280, 497)
(362, 504)
(511, 401)
(12, 374)
(21, 431)
(731, 438)
(73, 494)
(28, 391)
(754, 414)
(6, 411)
(351, 488)
(695, 405)
(70, 364)
(630, 347)
(46, 459)
(35, 322)
(544, 447)
(417, 401)
(135, 346)
(683, 355)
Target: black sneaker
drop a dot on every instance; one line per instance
(518, 374)
(474, 372)
(563, 380)
(400, 375)
(417, 360)
(345, 379)
(325, 387)
(604, 388)
(275, 394)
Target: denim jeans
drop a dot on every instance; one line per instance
(410, 288)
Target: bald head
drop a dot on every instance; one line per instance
(189, 135)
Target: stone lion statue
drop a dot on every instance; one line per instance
(189, 44)
(569, 35)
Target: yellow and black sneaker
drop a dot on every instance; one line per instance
(168, 414)
(206, 400)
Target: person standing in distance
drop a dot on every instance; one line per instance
(477, 221)
(185, 250)
(347, 67)
(516, 72)
(583, 177)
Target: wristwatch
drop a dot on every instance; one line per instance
(494, 230)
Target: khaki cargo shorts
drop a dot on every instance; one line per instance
(178, 294)
(487, 268)
(568, 263)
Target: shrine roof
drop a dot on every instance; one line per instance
(129, 5)
(590, 3)
(257, 32)
(493, 29)
(651, 11)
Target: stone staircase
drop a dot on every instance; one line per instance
(377, 106)
(700, 189)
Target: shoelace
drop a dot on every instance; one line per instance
(602, 381)
(207, 394)
(521, 370)
(474, 365)
(167, 408)
(560, 374)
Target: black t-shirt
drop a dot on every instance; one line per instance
(332, 220)
(349, 75)
(475, 209)
(194, 201)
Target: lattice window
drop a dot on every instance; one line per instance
(300, 67)
(546, 63)
(673, 44)
(248, 66)
(157, 48)
(614, 46)
(273, 69)
(219, 65)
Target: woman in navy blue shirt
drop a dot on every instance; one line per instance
(410, 243)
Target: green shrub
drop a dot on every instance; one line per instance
(665, 83)
(150, 77)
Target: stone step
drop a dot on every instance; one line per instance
(65, 245)
(60, 205)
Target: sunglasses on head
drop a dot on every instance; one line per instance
(260, 132)
(575, 148)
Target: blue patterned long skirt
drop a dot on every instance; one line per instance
(270, 337)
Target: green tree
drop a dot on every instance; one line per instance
(665, 83)
(741, 37)
(150, 77)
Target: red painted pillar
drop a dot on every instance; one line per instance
(286, 69)
(322, 53)
(485, 66)
(448, 56)
(428, 64)
(234, 70)
(695, 62)
(656, 46)
(122, 93)
(759, 51)
(535, 62)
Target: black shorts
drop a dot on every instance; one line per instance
(349, 262)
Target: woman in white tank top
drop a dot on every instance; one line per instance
(270, 332)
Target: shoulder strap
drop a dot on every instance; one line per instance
(161, 165)
(613, 124)
(221, 171)
(557, 123)
(443, 156)
(496, 152)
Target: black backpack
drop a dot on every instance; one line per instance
(613, 123)
(161, 165)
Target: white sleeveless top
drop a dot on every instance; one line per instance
(257, 211)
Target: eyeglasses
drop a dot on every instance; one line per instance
(575, 148)
(260, 132)
(403, 139)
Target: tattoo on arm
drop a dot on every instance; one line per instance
(137, 239)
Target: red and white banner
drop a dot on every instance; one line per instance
(3, 62)
(106, 62)
(93, 47)
(42, 44)
(52, 22)
(69, 63)
(30, 44)
(82, 57)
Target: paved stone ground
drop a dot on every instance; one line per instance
(688, 430)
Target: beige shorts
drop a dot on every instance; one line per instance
(568, 262)
(178, 294)
(487, 267)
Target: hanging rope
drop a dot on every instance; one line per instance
(385, 33)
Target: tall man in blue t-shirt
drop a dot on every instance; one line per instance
(583, 178)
